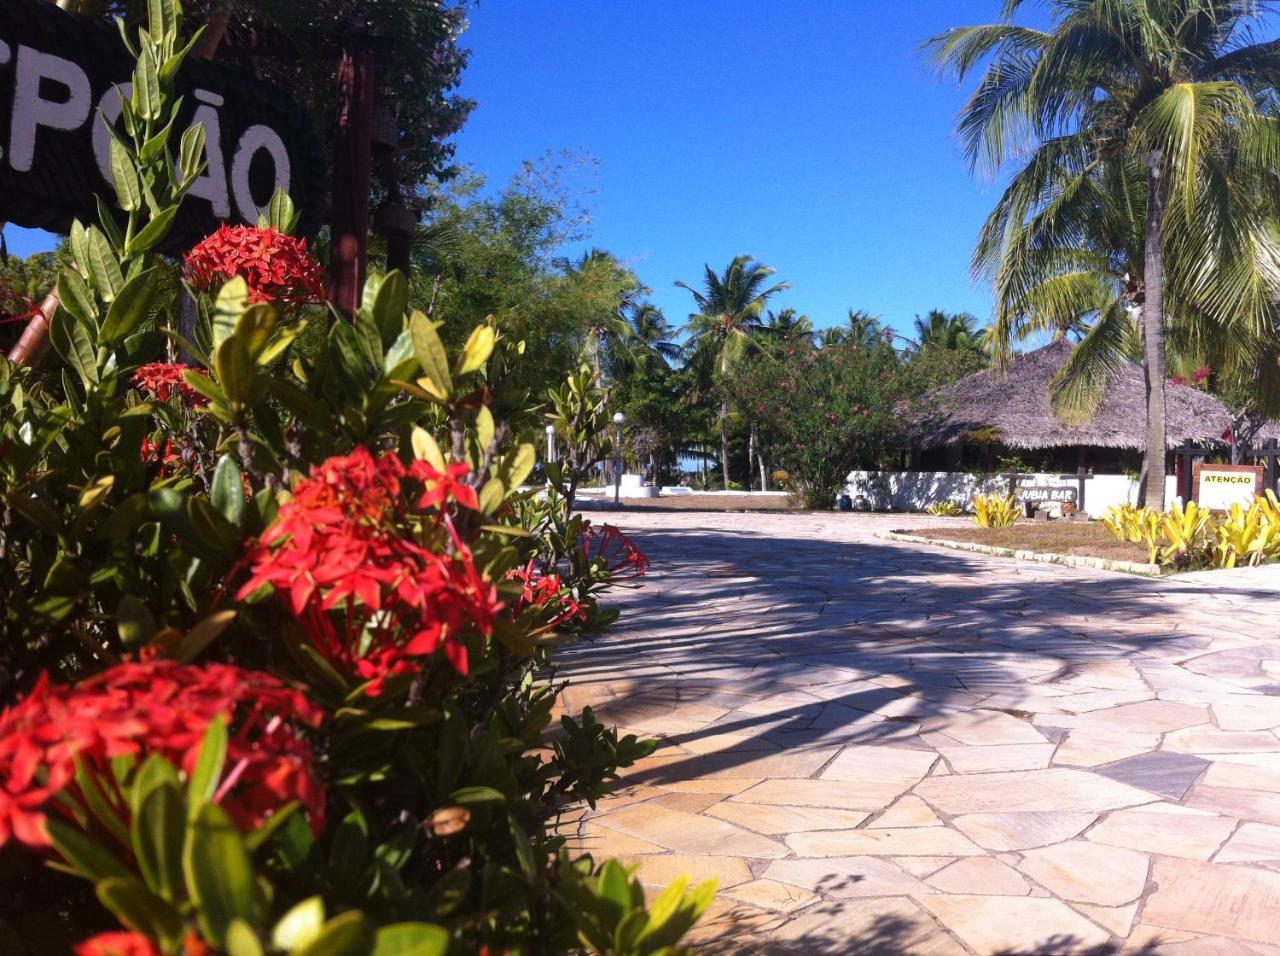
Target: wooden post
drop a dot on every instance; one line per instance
(1187, 454)
(352, 158)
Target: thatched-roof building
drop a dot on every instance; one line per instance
(989, 411)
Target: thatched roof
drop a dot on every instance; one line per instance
(1013, 408)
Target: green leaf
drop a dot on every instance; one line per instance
(152, 150)
(236, 371)
(281, 212)
(517, 466)
(154, 772)
(232, 300)
(426, 448)
(162, 18)
(134, 621)
(129, 308)
(148, 100)
(191, 153)
(154, 232)
(477, 795)
(125, 177)
(411, 939)
(228, 490)
(71, 341)
(477, 350)
(140, 909)
(431, 353)
(345, 935)
(102, 265)
(242, 940)
(159, 827)
(219, 874)
(205, 632)
(300, 925)
(388, 303)
(76, 298)
(208, 769)
(81, 852)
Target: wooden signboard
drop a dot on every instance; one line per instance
(1218, 487)
(61, 75)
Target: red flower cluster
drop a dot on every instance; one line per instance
(166, 456)
(163, 380)
(1178, 380)
(619, 553)
(123, 943)
(163, 708)
(372, 599)
(1201, 375)
(546, 592)
(276, 266)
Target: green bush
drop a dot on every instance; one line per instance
(277, 626)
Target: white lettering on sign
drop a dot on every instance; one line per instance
(31, 111)
(52, 92)
(257, 139)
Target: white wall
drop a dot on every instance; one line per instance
(913, 490)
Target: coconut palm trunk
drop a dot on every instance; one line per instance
(1153, 489)
(724, 440)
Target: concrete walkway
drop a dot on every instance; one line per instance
(878, 748)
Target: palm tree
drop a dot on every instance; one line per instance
(653, 337)
(954, 332)
(730, 306)
(1144, 133)
(604, 292)
(788, 325)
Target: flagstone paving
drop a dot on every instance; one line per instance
(881, 748)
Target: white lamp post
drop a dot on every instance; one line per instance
(618, 419)
(551, 443)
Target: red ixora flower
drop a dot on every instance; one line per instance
(277, 267)
(155, 708)
(163, 380)
(1201, 375)
(1178, 380)
(547, 593)
(123, 943)
(619, 553)
(371, 598)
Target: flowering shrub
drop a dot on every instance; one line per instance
(67, 742)
(275, 266)
(277, 638)
(616, 552)
(165, 380)
(371, 565)
(824, 411)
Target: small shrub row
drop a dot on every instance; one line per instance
(1188, 536)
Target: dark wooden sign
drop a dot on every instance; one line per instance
(1218, 487)
(60, 76)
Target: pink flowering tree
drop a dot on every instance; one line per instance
(825, 411)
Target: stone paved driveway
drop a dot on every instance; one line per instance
(877, 748)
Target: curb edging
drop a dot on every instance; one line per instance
(1043, 557)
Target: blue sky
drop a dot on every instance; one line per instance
(810, 134)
